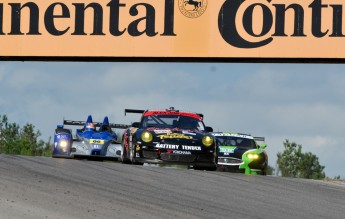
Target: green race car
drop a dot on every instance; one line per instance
(241, 153)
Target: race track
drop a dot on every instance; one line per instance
(39, 187)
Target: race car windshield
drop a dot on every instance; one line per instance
(245, 143)
(173, 121)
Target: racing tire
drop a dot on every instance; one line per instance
(264, 170)
(132, 158)
(124, 158)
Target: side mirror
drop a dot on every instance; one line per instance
(263, 146)
(208, 129)
(135, 124)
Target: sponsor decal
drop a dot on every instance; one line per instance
(227, 150)
(167, 146)
(188, 133)
(192, 8)
(137, 148)
(96, 141)
(179, 152)
(178, 147)
(182, 152)
(233, 135)
(159, 131)
(174, 135)
(63, 136)
(191, 148)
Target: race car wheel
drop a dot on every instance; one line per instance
(264, 170)
(132, 157)
(124, 157)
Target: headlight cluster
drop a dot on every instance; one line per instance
(63, 143)
(252, 156)
(146, 136)
(207, 140)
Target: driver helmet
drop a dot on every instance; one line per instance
(90, 127)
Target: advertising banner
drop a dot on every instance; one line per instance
(216, 29)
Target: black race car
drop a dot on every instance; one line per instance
(169, 136)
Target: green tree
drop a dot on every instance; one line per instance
(45, 148)
(22, 141)
(288, 159)
(310, 168)
(337, 177)
(293, 163)
(28, 143)
(9, 136)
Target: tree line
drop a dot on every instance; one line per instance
(292, 162)
(22, 140)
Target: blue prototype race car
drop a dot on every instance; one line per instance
(94, 141)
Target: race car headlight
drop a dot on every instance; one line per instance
(252, 156)
(207, 140)
(63, 143)
(146, 137)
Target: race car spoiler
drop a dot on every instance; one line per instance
(134, 111)
(97, 124)
(259, 138)
(142, 111)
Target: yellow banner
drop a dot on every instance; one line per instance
(173, 28)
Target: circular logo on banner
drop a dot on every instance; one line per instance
(192, 8)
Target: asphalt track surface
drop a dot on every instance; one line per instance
(39, 187)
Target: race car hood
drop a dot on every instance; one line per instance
(92, 143)
(168, 138)
(95, 135)
(173, 135)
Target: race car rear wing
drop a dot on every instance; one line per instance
(97, 124)
(259, 139)
(142, 111)
(134, 111)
